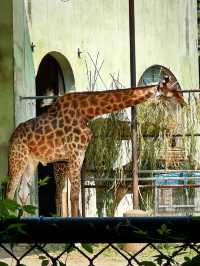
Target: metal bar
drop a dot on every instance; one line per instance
(177, 186)
(133, 84)
(38, 97)
(176, 135)
(101, 230)
(177, 206)
(146, 179)
(134, 133)
(188, 91)
(164, 171)
(83, 191)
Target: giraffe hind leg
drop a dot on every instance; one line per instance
(26, 182)
(15, 176)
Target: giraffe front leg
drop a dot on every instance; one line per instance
(74, 197)
(74, 192)
(60, 174)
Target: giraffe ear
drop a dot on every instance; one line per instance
(160, 85)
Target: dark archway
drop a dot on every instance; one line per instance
(54, 77)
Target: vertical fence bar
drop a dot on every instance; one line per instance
(133, 108)
(83, 190)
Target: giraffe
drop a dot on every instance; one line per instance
(61, 135)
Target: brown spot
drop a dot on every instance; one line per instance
(84, 104)
(67, 119)
(71, 112)
(93, 100)
(42, 148)
(75, 122)
(50, 136)
(67, 129)
(80, 146)
(115, 107)
(138, 101)
(118, 96)
(90, 111)
(54, 123)
(32, 143)
(77, 131)
(103, 103)
(61, 123)
(97, 111)
(74, 103)
(39, 130)
(59, 133)
(47, 129)
(65, 105)
(129, 102)
(83, 139)
(69, 138)
(76, 139)
(108, 107)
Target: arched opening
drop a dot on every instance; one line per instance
(155, 74)
(54, 77)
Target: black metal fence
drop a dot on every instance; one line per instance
(154, 241)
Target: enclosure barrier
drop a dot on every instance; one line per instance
(181, 232)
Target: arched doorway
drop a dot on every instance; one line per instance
(54, 77)
(155, 74)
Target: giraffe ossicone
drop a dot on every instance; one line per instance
(61, 135)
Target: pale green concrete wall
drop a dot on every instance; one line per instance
(6, 82)
(24, 73)
(100, 26)
(166, 34)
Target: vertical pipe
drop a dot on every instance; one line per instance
(83, 190)
(133, 109)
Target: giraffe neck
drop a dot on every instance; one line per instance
(88, 105)
(105, 102)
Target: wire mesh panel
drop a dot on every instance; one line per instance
(124, 241)
(99, 255)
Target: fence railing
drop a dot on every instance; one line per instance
(112, 233)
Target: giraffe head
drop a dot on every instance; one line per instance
(170, 91)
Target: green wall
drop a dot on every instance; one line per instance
(6, 82)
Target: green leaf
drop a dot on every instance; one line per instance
(87, 247)
(42, 257)
(141, 232)
(195, 261)
(147, 263)
(45, 262)
(43, 182)
(164, 231)
(3, 264)
(29, 209)
(11, 204)
(69, 248)
(16, 227)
